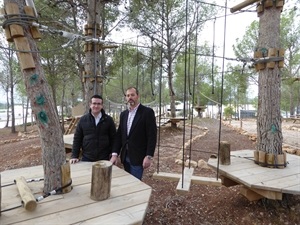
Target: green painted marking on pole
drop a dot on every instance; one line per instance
(273, 129)
(33, 79)
(40, 100)
(42, 116)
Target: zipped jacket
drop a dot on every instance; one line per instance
(94, 141)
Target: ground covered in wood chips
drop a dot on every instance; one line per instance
(203, 204)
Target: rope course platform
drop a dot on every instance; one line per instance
(259, 182)
(127, 203)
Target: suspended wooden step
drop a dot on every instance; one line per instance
(188, 179)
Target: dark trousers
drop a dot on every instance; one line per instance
(136, 171)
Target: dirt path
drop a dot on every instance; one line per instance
(203, 204)
(290, 130)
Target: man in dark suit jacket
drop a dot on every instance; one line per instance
(135, 140)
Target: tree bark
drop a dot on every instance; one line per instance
(42, 104)
(92, 56)
(269, 136)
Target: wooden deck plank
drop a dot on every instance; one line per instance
(127, 193)
(129, 216)
(92, 210)
(123, 186)
(195, 179)
(277, 185)
(246, 172)
(184, 183)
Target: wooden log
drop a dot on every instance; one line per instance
(270, 159)
(272, 52)
(224, 153)
(34, 30)
(256, 156)
(66, 177)
(15, 30)
(242, 5)
(25, 58)
(101, 180)
(281, 161)
(249, 194)
(28, 200)
(6, 28)
(262, 158)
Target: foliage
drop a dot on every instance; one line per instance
(290, 38)
(228, 112)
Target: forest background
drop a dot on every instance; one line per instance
(166, 46)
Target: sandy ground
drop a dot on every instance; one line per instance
(290, 130)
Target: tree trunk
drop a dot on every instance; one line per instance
(269, 136)
(92, 57)
(53, 152)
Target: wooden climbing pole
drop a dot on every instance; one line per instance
(19, 30)
(268, 58)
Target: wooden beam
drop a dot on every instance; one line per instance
(184, 183)
(195, 179)
(249, 194)
(228, 182)
(242, 5)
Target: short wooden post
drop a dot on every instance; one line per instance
(256, 156)
(66, 177)
(262, 158)
(29, 201)
(224, 153)
(101, 180)
(270, 159)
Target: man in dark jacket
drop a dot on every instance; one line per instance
(136, 136)
(94, 134)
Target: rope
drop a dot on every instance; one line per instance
(27, 181)
(222, 90)
(213, 58)
(53, 192)
(160, 85)
(40, 198)
(185, 87)
(122, 72)
(193, 92)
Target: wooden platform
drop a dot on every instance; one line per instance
(257, 181)
(68, 140)
(127, 203)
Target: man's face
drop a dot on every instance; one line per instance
(96, 105)
(132, 98)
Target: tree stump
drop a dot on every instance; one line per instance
(101, 180)
(66, 177)
(224, 153)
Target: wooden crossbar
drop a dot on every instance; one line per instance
(184, 183)
(193, 179)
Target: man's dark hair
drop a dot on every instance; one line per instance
(97, 96)
(136, 90)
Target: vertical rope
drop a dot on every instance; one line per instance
(160, 84)
(95, 52)
(151, 69)
(213, 59)
(185, 88)
(122, 72)
(137, 62)
(221, 102)
(193, 91)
